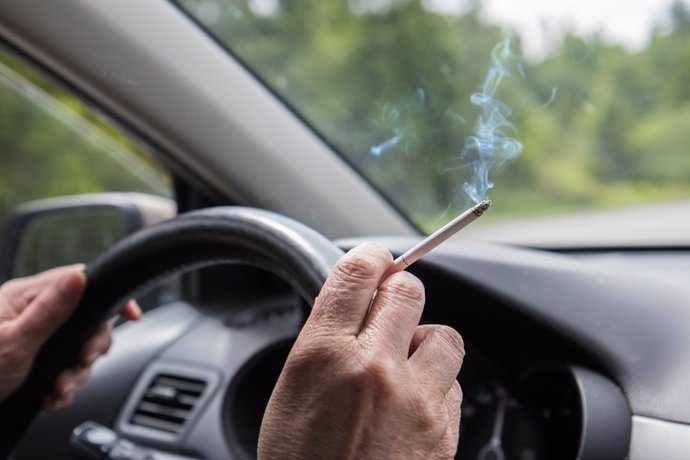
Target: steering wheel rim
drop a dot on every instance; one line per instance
(213, 236)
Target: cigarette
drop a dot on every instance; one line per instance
(439, 236)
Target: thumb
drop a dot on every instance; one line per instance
(51, 308)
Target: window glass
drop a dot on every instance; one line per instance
(426, 97)
(52, 144)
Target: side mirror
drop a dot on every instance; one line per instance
(70, 229)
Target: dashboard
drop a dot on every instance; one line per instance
(569, 355)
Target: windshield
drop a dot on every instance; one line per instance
(544, 107)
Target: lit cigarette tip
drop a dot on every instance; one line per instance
(439, 236)
(481, 207)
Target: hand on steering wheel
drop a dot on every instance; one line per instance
(363, 380)
(31, 310)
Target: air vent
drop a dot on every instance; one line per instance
(168, 403)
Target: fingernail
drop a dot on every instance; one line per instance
(131, 311)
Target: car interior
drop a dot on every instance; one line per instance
(576, 348)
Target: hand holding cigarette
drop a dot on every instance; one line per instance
(364, 380)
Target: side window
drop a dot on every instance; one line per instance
(52, 144)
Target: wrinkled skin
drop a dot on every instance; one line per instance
(31, 310)
(367, 382)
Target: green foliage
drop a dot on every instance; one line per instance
(391, 75)
(388, 84)
(52, 144)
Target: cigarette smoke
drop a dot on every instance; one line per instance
(403, 118)
(491, 147)
(383, 147)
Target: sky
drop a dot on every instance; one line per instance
(540, 23)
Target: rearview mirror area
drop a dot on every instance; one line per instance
(64, 230)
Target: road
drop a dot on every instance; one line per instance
(666, 224)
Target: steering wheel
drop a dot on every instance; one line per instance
(212, 236)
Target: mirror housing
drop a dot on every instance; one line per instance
(64, 230)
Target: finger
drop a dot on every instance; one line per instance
(51, 308)
(53, 403)
(395, 313)
(40, 279)
(19, 292)
(70, 380)
(131, 311)
(448, 444)
(437, 356)
(97, 345)
(344, 299)
(66, 386)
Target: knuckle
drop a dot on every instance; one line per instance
(450, 340)
(379, 368)
(375, 374)
(407, 288)
(314, 352)
(425, 414)
(355, 270)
